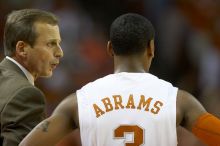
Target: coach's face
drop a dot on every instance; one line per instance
(43, 57)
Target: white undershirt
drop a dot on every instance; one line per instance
(25, 71)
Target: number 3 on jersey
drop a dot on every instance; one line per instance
(136, 131)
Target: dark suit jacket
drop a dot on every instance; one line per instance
(22, 105)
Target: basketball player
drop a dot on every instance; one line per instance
(130, 107)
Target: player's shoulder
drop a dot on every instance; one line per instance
(157, 80)
(117, 77)
(184, 96)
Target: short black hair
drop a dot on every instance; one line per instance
(130, 34)
(20, 27)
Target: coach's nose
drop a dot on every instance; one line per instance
(59, 52)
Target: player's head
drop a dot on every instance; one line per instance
(131, 34)
(20, 27)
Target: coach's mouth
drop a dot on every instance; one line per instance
(54, 65)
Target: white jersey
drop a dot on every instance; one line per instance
(128, 109)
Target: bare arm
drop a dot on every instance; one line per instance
(188, 109)
(192, 116)
(60, 123)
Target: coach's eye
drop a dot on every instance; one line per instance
(51, 44)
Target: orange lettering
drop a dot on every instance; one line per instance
(98, 110)
(118, 101)
(144, 103)
(130, 103)
(107, 102)
(157, 108)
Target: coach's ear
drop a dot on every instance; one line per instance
(20, 51)
(110, 50)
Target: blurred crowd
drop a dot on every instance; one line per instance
(187, 46)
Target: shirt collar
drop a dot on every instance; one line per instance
(25, 71)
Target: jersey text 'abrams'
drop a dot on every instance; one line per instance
(148, 104)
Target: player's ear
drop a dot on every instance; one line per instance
(21, 49)
(110, 49)
(151, 48)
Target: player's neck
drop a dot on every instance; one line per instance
(118, 70)
(135, 63)
(129, 65)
